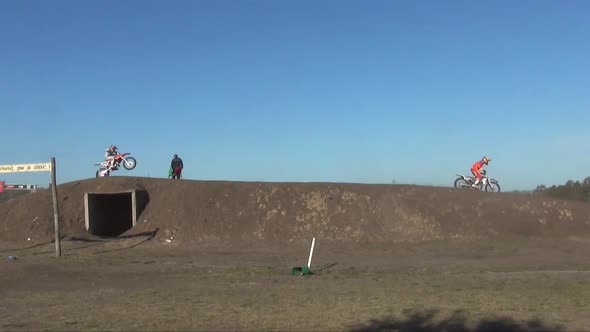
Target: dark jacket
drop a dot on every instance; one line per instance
(176, 163)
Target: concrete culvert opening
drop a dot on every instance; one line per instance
(112, 214)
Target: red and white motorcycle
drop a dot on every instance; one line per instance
(486, 183)
(104, 169)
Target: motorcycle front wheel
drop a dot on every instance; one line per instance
(129, 163)
(493, 186)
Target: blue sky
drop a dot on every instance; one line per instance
(352, 91)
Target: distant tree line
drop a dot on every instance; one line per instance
(575, 190)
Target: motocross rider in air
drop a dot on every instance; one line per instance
(109, 156)
(477, 168)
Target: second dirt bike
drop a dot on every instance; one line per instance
(104, 169)
(486, 183)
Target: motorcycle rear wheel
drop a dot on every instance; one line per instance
(460, 183)
(105, 174)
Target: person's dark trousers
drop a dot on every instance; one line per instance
(177, 173)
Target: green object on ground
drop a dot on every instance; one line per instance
(301, 271)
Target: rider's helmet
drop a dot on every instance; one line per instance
(175, 156)
(486, 160)
(113, 148)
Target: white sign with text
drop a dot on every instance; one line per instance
(39, 167)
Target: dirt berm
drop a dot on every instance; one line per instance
(231, 212)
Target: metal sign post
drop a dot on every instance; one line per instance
(42, 167)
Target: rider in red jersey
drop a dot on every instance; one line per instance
(477, 168)
(110, 154)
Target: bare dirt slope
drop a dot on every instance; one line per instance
(243, 212)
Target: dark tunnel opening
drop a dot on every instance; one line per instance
(112, 214)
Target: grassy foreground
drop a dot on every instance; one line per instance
(141, 290)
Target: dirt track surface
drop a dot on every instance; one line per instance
(198, 212)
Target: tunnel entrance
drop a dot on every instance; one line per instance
(112, 214)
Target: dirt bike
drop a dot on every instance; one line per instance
(466, 182)
(104, 169)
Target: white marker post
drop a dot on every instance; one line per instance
(41, 167)
(311, 253)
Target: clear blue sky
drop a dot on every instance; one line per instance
(354, 91)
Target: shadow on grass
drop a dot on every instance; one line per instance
(62, 238)
(147, 236)
(103, 239)
(150, 236)
(425, 321)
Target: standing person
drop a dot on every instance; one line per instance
(176, 167)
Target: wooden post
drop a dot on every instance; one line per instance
(55, 208)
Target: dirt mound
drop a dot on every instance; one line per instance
(209, 211)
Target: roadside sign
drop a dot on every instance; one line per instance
(20, 186)
(39, 167)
